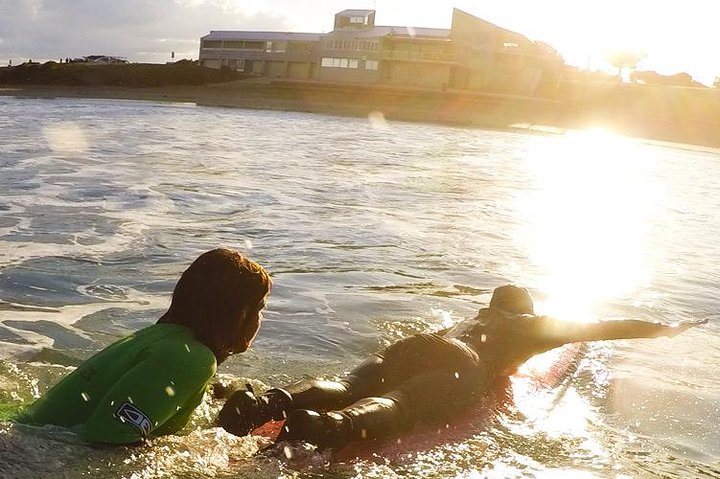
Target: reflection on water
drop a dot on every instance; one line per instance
(373, 230)
(587, 220)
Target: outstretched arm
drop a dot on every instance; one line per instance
(556, 333)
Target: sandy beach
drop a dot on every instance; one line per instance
(681, 115)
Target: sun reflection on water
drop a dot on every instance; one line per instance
(586, 219)
(587, 216)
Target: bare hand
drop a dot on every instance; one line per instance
(678, 328)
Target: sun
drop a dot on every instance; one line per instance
(586, 221)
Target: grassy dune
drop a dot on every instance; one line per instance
(137, 75)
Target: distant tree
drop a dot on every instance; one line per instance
(621, 59)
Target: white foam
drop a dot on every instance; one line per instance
(66, 316)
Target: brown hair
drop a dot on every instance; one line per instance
(216, 290)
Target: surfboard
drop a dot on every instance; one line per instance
(542, 380)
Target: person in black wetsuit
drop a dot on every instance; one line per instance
(424, 376)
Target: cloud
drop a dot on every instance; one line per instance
(140, 30)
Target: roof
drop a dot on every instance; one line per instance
(457, 11)
(381, 31)
(261, 36)
(355, 13)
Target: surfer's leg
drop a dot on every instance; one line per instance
(440, 395)
(380, 373)
(320, 395)
(426, 396)
(244, 411)
(367, 418)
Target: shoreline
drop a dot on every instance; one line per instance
(650, 116)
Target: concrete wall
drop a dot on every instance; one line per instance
(427, 75)
(348, 75)
(299, 70)
(276, 69)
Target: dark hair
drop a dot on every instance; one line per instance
(212, 294)
(513, 299)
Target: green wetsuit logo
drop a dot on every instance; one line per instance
(130, 414)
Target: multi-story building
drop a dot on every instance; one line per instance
(472, 55)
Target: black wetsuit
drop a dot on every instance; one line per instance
(428, 376)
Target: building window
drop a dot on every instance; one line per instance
(357, 20)
(334, 62)
(212, 44)
(371, 64)
(276, 47)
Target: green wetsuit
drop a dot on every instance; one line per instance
(144, 385)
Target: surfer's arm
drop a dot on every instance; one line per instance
(153, 398)
(555, 333)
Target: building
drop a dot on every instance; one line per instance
(270, 54)
(472, 54)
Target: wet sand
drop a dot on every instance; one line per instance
(681, 115)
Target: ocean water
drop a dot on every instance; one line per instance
(372, 230)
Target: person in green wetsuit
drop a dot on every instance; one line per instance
(149, 383)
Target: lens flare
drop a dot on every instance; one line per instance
(65, 137)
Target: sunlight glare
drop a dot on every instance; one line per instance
(586, 220)
(65, 137)
(377, 120)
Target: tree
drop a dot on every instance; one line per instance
(624, 59)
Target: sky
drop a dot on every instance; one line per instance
(674, 36)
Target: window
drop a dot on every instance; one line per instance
(371, 64)
(333, 62)
(357, 20)
(254, 45)
(268, 47)
(212, 44)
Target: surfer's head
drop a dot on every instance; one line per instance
(220, 297)
(513, 299)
